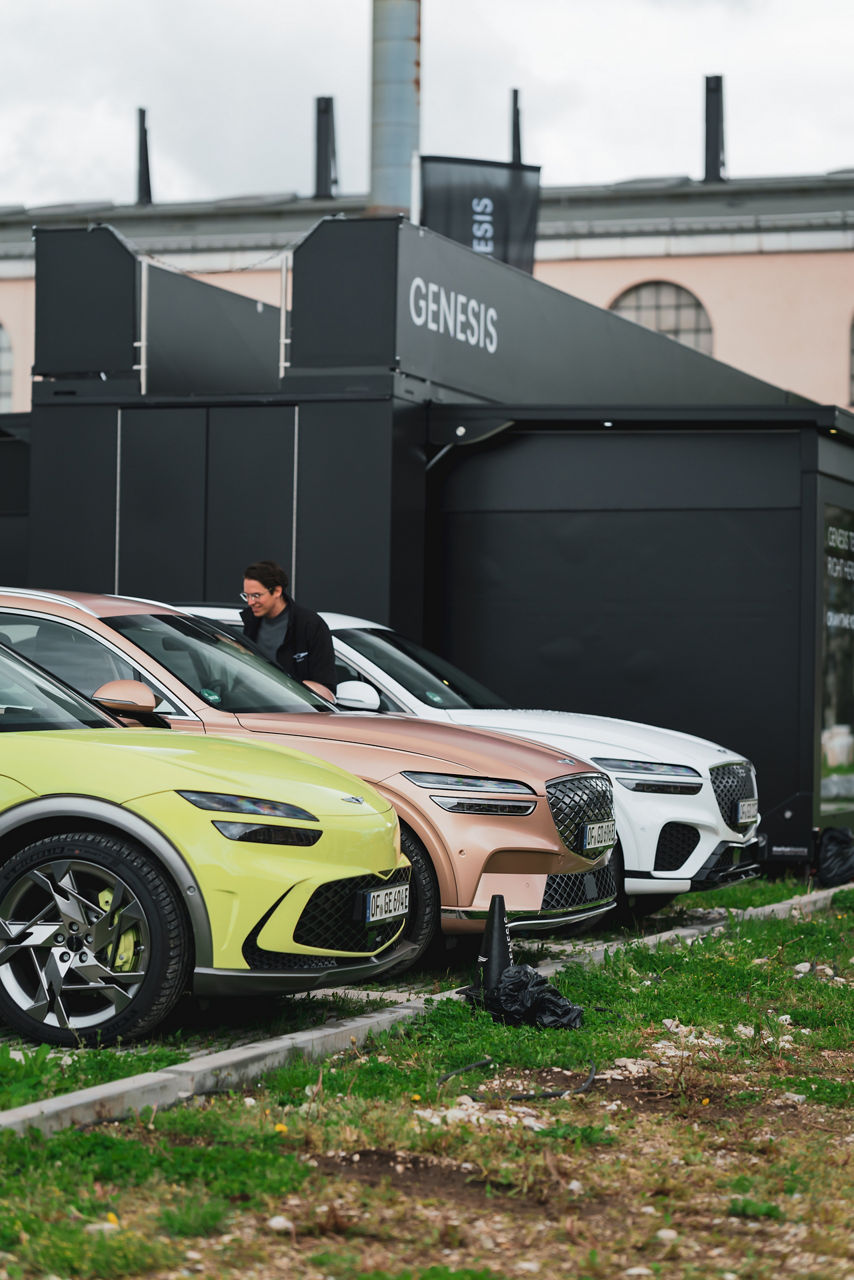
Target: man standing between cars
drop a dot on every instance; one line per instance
(291, 637)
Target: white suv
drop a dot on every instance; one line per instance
(687, 809)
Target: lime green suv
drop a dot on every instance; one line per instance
(139, 863)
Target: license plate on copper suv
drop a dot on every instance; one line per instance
(385, 904)
(599, 834)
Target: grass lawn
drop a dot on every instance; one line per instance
(698, 1125)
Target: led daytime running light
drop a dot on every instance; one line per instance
(645, 766)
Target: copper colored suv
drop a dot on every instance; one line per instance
(480, 813)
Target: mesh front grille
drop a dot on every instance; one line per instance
(330, 919)
(577, 800)
(731, 783)
(580, 889)
(675, 844)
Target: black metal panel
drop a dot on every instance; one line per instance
(86, 303)
(250, 490)
(73, 498)
(201, 340)
(466, 322)
(344, 296)
(162, 503)
(617, 470)
(14, 476)
(344, 508)
(14, 533)
(685, 617)
(15, 426)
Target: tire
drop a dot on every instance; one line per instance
(422, 921)
(94, 942)
(639, 905)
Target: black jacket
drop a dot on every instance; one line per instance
(306, 652)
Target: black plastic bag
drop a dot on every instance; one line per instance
(835, 863)
(523, 996)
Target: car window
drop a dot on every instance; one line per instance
(219, 668)
(430, 678)
(80, 659)
(31, 700)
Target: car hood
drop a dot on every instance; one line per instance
(592, 736)
(126, 764)
(377, 747)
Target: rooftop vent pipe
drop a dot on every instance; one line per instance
(143, 173)
(395, 103)
(515, 129)
(325, 163)
(715, 163)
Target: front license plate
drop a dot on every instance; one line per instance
(385, 904)
(748, 810)
(598, 834)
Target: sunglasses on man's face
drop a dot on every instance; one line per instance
(253, 595)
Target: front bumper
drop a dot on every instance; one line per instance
(673, 843)
(559, 900)
(728, 863)
(328, 973)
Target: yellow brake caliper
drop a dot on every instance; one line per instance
(126, 950)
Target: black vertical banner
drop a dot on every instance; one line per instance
(488, 206)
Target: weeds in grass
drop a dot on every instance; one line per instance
(746, 1208)
(194, 1216)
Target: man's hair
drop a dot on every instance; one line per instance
(269, 574)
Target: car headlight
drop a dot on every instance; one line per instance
(672, 787)
(479, 804)
(246, 804)
(459, 782)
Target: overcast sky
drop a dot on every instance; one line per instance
(610, 90)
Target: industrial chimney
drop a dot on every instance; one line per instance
(395, 103)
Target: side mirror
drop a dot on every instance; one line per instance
(127, 697)
(357, 695)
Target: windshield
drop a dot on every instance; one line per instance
(30, 699)
(217, 667)
(425, 675)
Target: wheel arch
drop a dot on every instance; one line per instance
(430, 837)
(34, 820)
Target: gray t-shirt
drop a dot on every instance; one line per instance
(271, 635)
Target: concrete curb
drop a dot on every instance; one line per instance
(241, 1066)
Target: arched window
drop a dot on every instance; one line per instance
(670, 309)
(5, 372)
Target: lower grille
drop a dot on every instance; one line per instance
(577, 800)
(675, 845)
(731, 783)
(580, 889)
(724, 860)
(330, 918)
